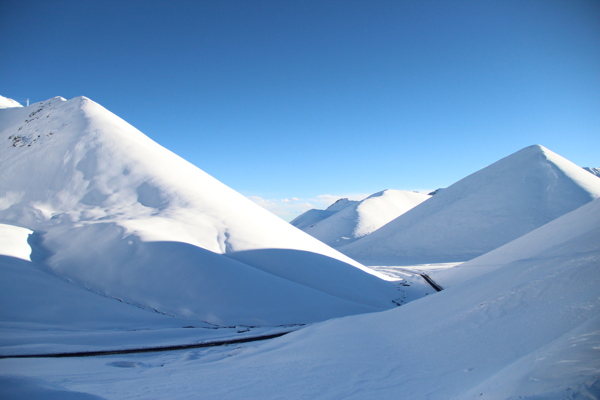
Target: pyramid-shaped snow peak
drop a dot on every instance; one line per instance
(481, 212)
(363, 217)
(118, 214)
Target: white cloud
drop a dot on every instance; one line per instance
(262, 202)
(287, 209)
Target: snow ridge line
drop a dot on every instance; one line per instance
(150, 349)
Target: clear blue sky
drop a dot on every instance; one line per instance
(282, 99)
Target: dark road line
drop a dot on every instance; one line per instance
(432, 282)
(149, 349)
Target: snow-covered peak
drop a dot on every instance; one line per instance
(340, 204)
(153, 229)
(5, 102)
(363, 217)
(481, 212)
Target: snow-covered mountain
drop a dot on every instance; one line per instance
(481, 212)
(528, 329)
(566, 238)
(117, 214)
(361, 218)
(313, 216)
(108, 239)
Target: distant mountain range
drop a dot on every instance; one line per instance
(475, 215)
(345, 221)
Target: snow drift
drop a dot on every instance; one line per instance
(116, 213)
(481, 212)
(360, 219)
(529, 329)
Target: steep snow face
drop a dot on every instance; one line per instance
(5, 102)
(311, 217)
(364, 217)
(482, 211)
(103, 197)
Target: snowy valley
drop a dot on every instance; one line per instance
(110, 242)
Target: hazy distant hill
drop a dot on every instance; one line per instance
(361, 218)
(313, 216)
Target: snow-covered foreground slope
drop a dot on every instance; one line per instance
(360, 219)
(530, 329)
(44, 314)
(481, 212)
(115, 213)
(557, 239)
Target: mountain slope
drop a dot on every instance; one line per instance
(526, 330)
(313, 216)
(481, 212)
(364, 217)
(116, 213)
(572, 233)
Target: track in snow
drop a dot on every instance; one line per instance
(149, 349)
(434, 285)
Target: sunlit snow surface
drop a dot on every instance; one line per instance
(115, 243)
(360, 219)
(481, 212)
(5, 102)
(115, 213)
(529, 329)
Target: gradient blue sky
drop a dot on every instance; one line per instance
(300, 99)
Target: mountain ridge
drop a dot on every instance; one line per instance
(360, 219)
(482, 211)
(101, 194)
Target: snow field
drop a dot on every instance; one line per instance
(109, 241)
